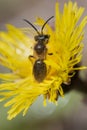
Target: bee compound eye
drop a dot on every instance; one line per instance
(36, 38)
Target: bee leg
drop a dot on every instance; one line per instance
(50, 54)
(48, 69)
(31, 58)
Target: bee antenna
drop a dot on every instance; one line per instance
(32, 25)
(45, 24)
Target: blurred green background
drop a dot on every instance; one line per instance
(71, 111)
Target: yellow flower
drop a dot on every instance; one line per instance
(19, 86)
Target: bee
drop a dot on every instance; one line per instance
(40, 51)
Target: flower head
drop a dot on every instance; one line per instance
(65, 46)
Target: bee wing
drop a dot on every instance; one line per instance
(31, 33)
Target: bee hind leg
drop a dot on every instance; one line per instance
(31, 58)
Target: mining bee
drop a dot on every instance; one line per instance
(40, 51)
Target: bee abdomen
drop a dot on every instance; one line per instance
(39, 70)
